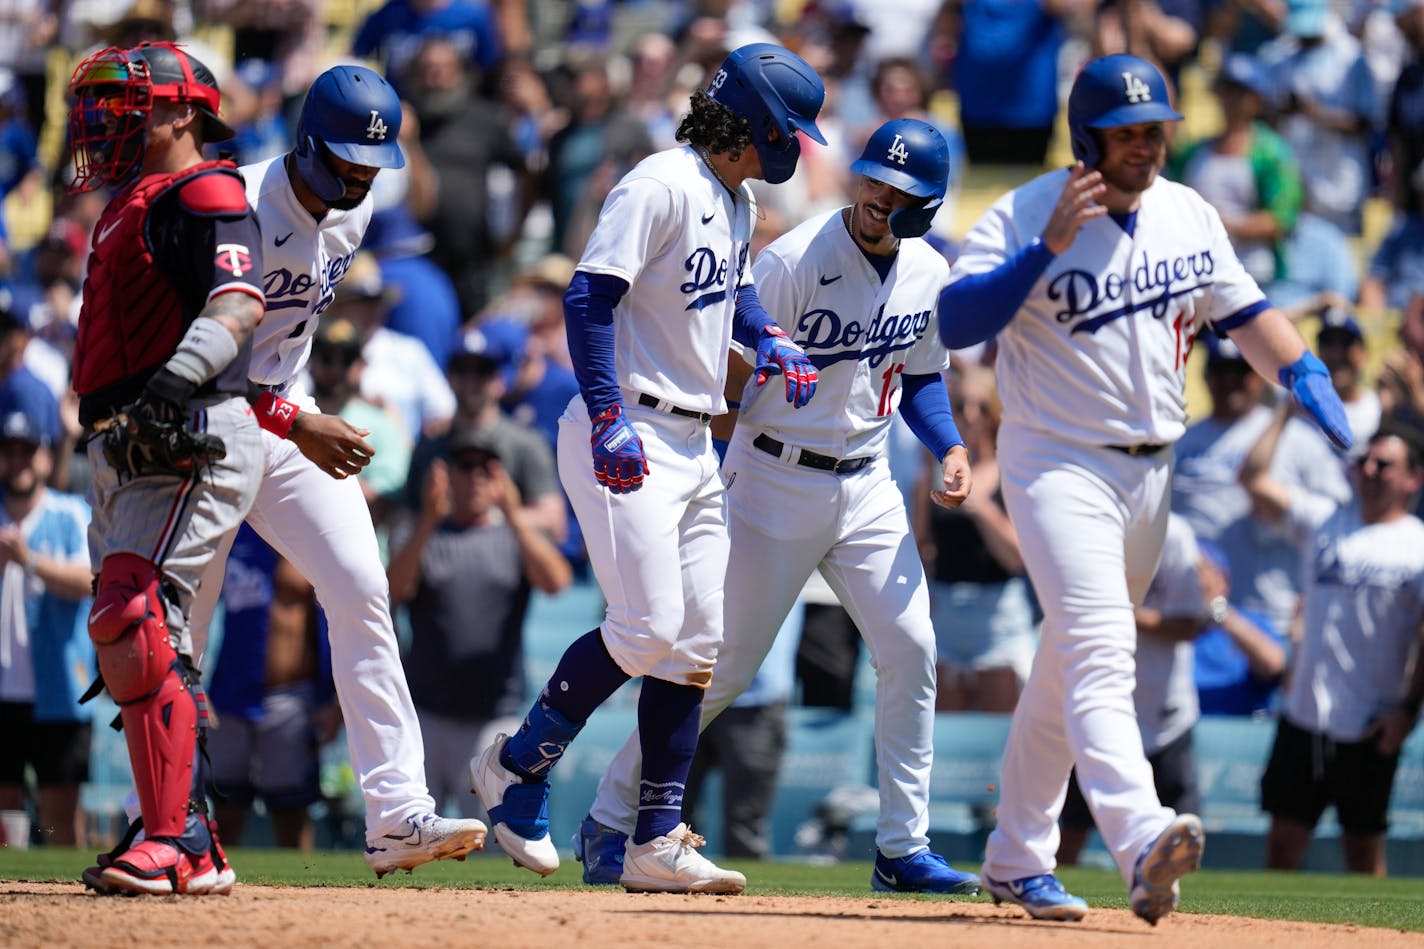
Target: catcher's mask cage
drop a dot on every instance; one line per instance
(113, 96)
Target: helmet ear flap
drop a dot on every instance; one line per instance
(312, 166)
(1085, 146)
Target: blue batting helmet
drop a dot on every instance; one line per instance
(912, 156)
(774, 90)
(356, 115)
(1112, 91)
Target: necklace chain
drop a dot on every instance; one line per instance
(707, 160)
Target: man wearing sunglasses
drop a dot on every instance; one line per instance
(1352, 699)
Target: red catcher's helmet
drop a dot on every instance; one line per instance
(114, 91)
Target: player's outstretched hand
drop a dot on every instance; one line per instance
(333, 444)
(1077, 205)
(957, 478)
(619, 463)
(1309, 382)
(776, 353)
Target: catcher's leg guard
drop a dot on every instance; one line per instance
(144, 675)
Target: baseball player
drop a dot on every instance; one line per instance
(312, 205)
(1096, 278)
(172, 293)
(812, 489)
(661, 290)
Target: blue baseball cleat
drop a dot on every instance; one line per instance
(600, 849)
(921, 872)
(1042, 897)
(1176, 852)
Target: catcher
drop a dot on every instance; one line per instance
(171, 296)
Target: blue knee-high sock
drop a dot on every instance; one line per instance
(669, 715)
(585, 677)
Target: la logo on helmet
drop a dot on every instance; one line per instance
(897, 151)
(377, 128)
(1135, 89)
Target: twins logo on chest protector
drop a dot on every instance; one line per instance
(709, 274)
(286, 290)
(828, 339)
(1153, 285)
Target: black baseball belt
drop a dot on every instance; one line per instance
(811, 459)
(1136, 450)
(653, 402)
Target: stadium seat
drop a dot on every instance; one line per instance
(825, 749)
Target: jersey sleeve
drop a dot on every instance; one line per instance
(208, 248)
(992, 240)
(1233, 289)
(637, 222)
(1306, 512)
(928, 355)
(779, 295)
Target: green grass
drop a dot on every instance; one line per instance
(1393, 903)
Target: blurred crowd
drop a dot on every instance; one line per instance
(446, 337)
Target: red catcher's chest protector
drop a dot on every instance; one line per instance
(132, 316)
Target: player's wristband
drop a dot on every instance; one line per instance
(275, 413)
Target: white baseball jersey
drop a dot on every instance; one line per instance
(680, 240)
(1098, 350)
(305, 260)
(862, 335)
(1363, 600)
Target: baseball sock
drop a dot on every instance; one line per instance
(585, 677)
(669, 715)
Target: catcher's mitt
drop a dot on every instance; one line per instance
(148, 438)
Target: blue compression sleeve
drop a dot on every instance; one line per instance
(925, 408)
(751, 317)
(975, 308)
(588, 317)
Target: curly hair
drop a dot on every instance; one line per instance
(711, 125)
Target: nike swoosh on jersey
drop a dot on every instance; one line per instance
(107, 231)
(827, 281)
(279, 241)
(707, 218)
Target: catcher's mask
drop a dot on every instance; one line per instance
(113, 95)
(114, 90)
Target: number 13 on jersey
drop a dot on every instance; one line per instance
(889, 379)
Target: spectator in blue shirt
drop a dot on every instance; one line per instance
(392, 34)
(46, 660)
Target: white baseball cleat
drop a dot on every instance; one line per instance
(428, 837)
(518, 809)
(672, 864)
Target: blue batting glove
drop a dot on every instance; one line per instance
(618, 460)
(776, 353)
(1309, 382)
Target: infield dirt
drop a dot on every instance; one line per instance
(64, 914)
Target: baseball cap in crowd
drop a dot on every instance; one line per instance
(552, 271)
(1248, 72)
(472, 441)
(500, 344)
(363, 281)
(337, 336)
(1338, 320)
(1306, 18)
(1221, 351)
(394, 232)
(18, 426)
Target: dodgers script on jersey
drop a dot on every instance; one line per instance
(672, 335)
(862, 335)
(305, 260)
(1113, 316)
